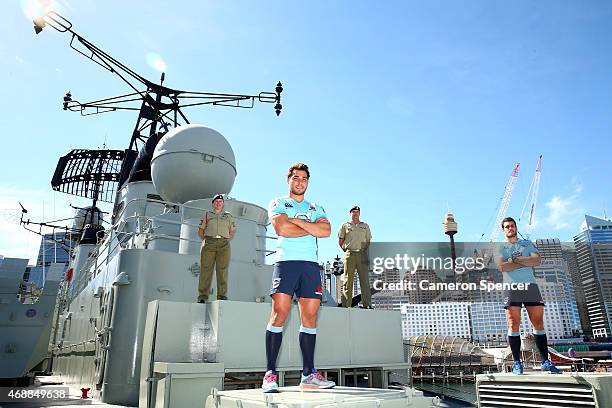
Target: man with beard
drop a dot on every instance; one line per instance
(516, 259)
(298, 224)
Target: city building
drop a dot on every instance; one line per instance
(388, 299)
(489, 324)
(554, 269)
(333, 282)
(52, 249)
(488, 316)
(445, 319)
(556, 318)
(594, 254)
(569, 255)
(393, 299)
(418, 295)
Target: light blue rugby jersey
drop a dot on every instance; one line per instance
(301, 248)
(519, 248)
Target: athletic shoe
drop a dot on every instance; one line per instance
(316, 380)
(270, 382)
(548, 365)
(517, 367)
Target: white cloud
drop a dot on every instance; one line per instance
(564, 212)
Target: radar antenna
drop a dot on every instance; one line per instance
(159, 107)
(89, 173)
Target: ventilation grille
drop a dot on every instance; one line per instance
(501, 394)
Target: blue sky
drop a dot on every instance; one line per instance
(405, 108)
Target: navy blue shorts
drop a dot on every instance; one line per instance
(529, 297)
(299, 278)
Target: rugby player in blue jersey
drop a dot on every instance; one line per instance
(298, 224)
(516, 259)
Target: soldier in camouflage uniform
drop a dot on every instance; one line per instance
(216, 230)
(354, 238)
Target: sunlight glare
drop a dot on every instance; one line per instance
(36, 8)
(156, 62)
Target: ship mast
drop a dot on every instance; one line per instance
(159, 107)
(96, 174)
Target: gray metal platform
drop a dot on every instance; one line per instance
(291, 397)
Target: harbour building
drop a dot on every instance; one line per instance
(489, 322)
(571, 259)
(556, 319)
(554, 268)
(594, 254)
(52, 250)
(388, 299)
(443, 318)
(488, 317)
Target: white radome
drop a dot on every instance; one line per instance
(193, 162)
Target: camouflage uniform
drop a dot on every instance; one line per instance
(215, 250)
(356, 238)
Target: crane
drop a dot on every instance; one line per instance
(532, 198)
(505, 202)
(487, 252)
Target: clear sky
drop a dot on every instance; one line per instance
(406, 108)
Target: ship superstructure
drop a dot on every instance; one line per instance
(129, 328)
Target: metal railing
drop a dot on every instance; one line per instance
(119, 236)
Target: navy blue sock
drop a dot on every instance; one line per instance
(308, 338)
(541, 342)
(514, 341)
(274, 338)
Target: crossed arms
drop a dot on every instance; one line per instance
(505, 265)
(296, 227)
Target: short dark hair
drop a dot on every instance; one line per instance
(298, 166)
(508, 219)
